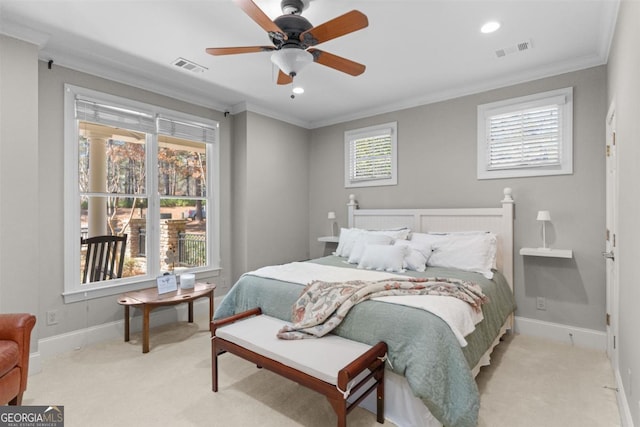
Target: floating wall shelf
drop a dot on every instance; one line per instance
(546, 252)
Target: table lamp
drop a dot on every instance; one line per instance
(544, 216)
(332, 221)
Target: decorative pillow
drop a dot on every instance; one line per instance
(416, 256)
(383, 258)
(465, 251)
(365, 239)
(349, 236)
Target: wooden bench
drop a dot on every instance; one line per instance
(333, 366)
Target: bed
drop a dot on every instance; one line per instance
(431, 372)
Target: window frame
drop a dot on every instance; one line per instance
(73, 289)
(361, 133)
(561, 97)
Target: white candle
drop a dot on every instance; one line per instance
(187, 280)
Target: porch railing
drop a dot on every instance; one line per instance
(192, 249)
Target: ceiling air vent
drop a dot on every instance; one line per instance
(189, 65)
(519, 47)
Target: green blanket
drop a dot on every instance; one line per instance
(421, 345)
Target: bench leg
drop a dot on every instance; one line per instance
(380, 397)
(340, 408)
(214, 365)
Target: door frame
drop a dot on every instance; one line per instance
(611, 207)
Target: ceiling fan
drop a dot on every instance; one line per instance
(293, 38)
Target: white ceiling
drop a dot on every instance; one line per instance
(416, 52)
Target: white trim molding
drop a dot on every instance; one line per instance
(580, 337)
(76, 340)
(626, 420)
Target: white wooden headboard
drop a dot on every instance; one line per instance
(496, 220)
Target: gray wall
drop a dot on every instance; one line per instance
(19, 202)
(270, 196)
(624, 90)
(437, 168)
(268, 172)
(50, 190)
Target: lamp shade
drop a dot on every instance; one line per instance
(291, 60)
(544, 216)
(331, 215)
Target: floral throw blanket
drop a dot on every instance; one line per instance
(323, 305)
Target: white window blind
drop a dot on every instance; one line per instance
(370, 155)
(528, 136)
(123, 118)
(371, 158)
(190, 131)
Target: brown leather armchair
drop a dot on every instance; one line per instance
(15, 340)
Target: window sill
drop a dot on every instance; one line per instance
(117, 289)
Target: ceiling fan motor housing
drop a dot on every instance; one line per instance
(293, 26)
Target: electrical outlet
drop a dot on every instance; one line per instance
(541, 303)
(52, 317)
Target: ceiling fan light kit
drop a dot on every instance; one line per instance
(291, 61)
(293, 36)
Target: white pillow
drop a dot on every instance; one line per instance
(383, 258)
(348, 237)
(438, 236)
(465, 251)
(365, 239)
(427, 238)
(417, 254)
(395, 234)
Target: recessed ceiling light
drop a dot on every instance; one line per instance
(298, 90)
(490, 27)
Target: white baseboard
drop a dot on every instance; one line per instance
(58, 344)
(623, 404)
(75, 340)
(580, 337)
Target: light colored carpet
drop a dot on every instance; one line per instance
(530, 383)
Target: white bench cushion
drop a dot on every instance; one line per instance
(321, 358)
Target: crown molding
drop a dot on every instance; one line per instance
(471, 89)
(22, 32)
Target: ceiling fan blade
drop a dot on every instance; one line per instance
(337, 62)
(283, 79)
(261, 18)
(233, 50)
(336, 27)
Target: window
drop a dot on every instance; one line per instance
(145, 172)
(371, 156)
(528, 136)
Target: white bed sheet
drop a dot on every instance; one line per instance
(401, 407)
